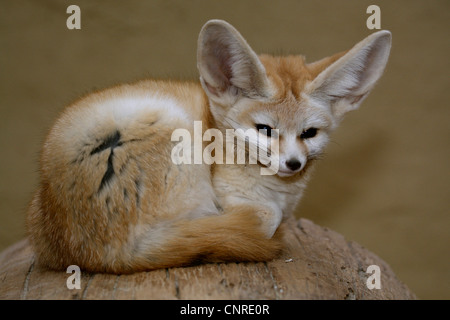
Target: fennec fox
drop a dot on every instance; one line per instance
(111, 197)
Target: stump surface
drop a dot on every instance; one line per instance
(317, 263)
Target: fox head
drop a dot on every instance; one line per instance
(295, 103)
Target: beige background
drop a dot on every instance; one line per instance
(385, 179)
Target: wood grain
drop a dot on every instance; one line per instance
(317, 263)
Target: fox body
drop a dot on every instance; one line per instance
(112, 200)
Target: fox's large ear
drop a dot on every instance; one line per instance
(344, 84)
(228, 67)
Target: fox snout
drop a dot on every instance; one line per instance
(292, 155)
(289, 167)
(293, 164)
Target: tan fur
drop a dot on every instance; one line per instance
(110, 198)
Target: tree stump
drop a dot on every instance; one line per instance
(317, 263)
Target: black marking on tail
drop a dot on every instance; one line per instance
(109, 172)
(137, 183)
(109, 143)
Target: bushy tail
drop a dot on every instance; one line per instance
(235, 236)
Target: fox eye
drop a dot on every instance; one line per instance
(265, 127)
(309, 133)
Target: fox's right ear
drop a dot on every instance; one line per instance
(228, 67)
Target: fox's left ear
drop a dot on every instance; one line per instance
(344, 84)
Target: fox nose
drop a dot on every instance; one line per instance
(293, 164)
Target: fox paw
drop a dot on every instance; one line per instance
(270, 220)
